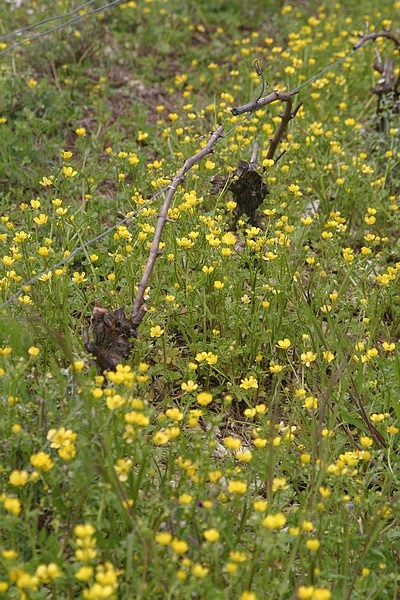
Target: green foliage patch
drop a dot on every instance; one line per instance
(249, 447)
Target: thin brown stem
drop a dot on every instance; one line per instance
(138, 310)
(374, 36)
(260, 102)
(287, 116)
(253, 159)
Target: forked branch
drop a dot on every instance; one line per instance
(260, 102)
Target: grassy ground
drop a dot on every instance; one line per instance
(249, 449)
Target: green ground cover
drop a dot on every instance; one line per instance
(248, 449)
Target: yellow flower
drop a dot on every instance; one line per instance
(321, 594)
(232, 443)
(78, 365)
(80, 131)
(85, 554)
(260, 442)
(267, 162)
(199, 570)
(142, 135)
(41, 219)
(366, 442)
(229, 239)
(33, 351)
(163, 538)
(275, 367)
(244, 456)
(160, 438)
(84, 573)
(133, 158)
(48, 573)
(260, 505)
(79, 277)
(214, 476)
(305, 592)
(84, 530)
(388, 347)
(236, 487)
(13, 505)
(184, 242)
(211, 535)
(18, 478)
(283, 344)
(67, 453)
(392, 429)
(207, 269)
(250, 413)
(115, 401)
(42, 461)
(179, 546)
(59, 438)
(189, 386)
(185, 499)
(313, 545)
(43, 251)
(237, 556)
(311, 402)
(204, 398)
(279, 483)
(218, 285)
(194, 416)
(247, 596)
(248, 383)
(211, 359)
(122, 468)
(307, 526)
(156, 332)
(307, 358)
(45, 182)
(9, 554)
(69, 172)
(136, 418)
(275, 521)
(174, 414)
(325, 492)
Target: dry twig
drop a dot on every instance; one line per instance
(287, 116)
(137, 312)
(260, 102)
(374, 36)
